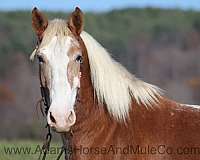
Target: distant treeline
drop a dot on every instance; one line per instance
(114, 29)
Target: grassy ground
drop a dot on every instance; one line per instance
(24, 150)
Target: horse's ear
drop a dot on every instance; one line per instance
(39, 22)
(75, 22)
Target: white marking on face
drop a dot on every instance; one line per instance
(76, 83)
(62, 94)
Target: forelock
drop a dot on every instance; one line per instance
(56, 27)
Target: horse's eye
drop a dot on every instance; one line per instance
(40, 59)
(79, 59)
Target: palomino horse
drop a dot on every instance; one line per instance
(116, 116)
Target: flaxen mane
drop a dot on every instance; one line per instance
(113, 84)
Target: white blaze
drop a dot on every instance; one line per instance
(61, 93)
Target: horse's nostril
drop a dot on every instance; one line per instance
(52, 118)
(71, 118)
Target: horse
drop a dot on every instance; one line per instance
(111, 113)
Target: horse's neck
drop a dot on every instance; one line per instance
(89, 113)
(86, 93)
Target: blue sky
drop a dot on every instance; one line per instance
(96, 5)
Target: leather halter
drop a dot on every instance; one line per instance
(66, 148)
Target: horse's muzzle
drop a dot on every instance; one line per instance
(61, 123)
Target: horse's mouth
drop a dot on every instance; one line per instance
(53, 128)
